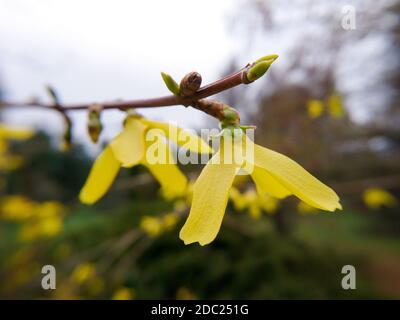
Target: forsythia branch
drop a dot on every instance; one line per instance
(246, 75)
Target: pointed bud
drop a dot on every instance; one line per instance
(190, 84)
(170, 83)
(258, 70)
(259, 67)
(272, 57)
(94, 124)
(53, 95)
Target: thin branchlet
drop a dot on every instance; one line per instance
(191, 97)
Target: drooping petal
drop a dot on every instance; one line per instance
(210, 197)
(100, 178)
(182, 137)
(128, 146)
(296, 179)
(267, 184)
(173, 182)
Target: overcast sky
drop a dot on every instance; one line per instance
(96, 50)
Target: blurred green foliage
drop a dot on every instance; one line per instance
(101, 249)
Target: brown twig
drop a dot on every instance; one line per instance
(223, 84)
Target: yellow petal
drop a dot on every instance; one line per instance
(296, 179)
(173, 182)
(182, 137)
(101, 176)
(128, 146)
(267, 184)
(210, 197)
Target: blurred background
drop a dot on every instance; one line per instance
(331, 102)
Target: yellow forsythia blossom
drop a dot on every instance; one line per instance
(151, 225)
(335, 106)
(124, 294)
(16, 208)
(273, 174)
(184, 293)
(315, 108)
(132, 147)
(15, 134)
(253, 202)
(154, 226)
(375, 198)
(83, 272)
(7, 161)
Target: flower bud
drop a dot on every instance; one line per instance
(67, 138)
(94, 124)
(190, 84)
(259, 67)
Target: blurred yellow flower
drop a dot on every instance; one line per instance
(273, 174)
(41, 228)
(10, 162)
(375, 198)
(170, 220)
(15, 133)
(132, 147)
(315, 108)
(83, 272)
(40, 220)
(49, 209)
(253, 202)
(335, 106)
(154, 226)
(124, 294)
(184, 293)
(16, 208)
(151, 225)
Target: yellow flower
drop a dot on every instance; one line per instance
(315, 108)
(154, 226)
(273, 174)
(16, 134)
(16, 208)
(374, 198)
(184, 293)
(7, 161)
(335, 106)
(170, 220)
(124, 294)
(83, 272)
(253, 202)
(138, 144)
(151, 225)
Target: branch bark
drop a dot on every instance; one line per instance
(228, 82)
